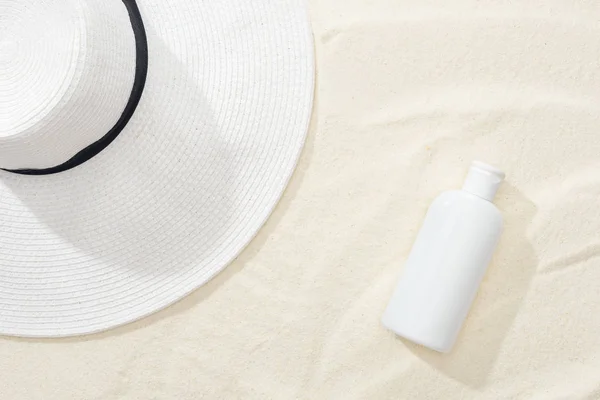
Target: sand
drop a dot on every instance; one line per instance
(409, 92)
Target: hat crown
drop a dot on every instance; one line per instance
(67, 69)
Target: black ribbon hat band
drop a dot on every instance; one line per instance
(141, 72)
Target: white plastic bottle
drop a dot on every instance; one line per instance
(447, 262)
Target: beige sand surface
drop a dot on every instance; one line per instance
(408, 93)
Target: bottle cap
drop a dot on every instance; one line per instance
(483, 180)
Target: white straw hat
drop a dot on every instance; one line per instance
(143, 144)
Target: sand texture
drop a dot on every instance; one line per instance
(408, 93)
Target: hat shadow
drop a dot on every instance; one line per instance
(498, 302)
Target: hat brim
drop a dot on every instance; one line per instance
(181, 191)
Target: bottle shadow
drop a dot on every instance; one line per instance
(499, 299)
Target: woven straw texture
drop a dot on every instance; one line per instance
(185, 186)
